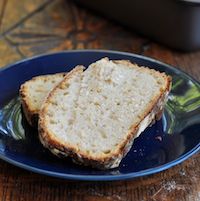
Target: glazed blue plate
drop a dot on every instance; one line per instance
(168, 142)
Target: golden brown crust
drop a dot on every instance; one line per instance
(57, 147)
(30, 113)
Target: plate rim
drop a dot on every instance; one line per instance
(125, 176)
(174, 68)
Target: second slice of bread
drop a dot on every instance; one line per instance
(94, 115)
(33, 93)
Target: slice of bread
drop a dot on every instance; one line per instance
(94, 115)
(33, 93)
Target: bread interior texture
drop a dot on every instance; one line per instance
(93, 111)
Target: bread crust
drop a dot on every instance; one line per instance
(30, 113)
(112, 160)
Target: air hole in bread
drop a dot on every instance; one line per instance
(107, 151)
(96, 103)
(61, 127)
(52, 121)
(71, 121)
(64, 109)
(54, 103)
(83, 108)
(103, 135)
(39, 90)
(129, 103)
(159, 82)
(50, 114)
(63, 85)
(113, 116)
(108, 81)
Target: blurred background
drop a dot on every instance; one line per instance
(167, 31)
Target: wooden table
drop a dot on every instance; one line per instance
(32, 27)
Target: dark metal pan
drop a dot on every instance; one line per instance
(175, 23)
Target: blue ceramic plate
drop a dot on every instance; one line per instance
(168, 142)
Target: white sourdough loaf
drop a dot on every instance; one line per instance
(94, 115)
(33, 93)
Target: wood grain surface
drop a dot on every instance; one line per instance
(32, 27)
